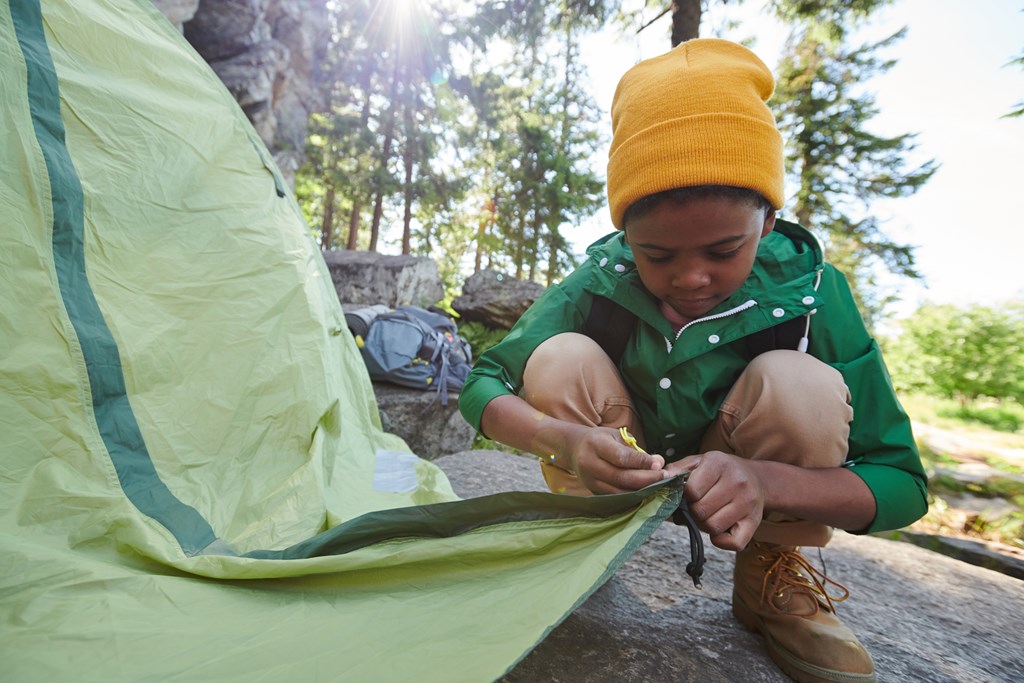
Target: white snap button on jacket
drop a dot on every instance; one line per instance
(603, 262)
(670, 452)
(808, 300)
(714, 339)
(778, 313)
(665, 383)
(620, 268)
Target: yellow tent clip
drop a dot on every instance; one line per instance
(629, 439)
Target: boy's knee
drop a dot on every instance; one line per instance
(791, 407)
(800, 377)
(566, 348)
(570, 377)
(564, 360)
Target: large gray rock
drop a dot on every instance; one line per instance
(250, 75)
(495, 299)
(221, 29)
(924, 617)
(177, 11)
(430, 429)
(267, 52)
(366, 278)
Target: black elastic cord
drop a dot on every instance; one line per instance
(696, 566)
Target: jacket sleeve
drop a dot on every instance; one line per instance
(882, 448)
(499, 370)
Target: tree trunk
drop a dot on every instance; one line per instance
(802, 211)
(487, 218)
(353, 225)
(385, 154)
(378, 202)
(327, 226)
(378, 211)
(519, 245)
(535, 239)
(685, 20)
(481, 232)
(407, 159)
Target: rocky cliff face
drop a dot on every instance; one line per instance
(267, 53)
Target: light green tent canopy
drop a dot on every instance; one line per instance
(194, 484)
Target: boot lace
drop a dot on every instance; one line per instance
(790, 573)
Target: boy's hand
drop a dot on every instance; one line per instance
(725, 496)
(604, 463)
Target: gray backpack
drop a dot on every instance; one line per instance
(411, 347)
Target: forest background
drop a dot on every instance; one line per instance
(476, 133)
(477, 80)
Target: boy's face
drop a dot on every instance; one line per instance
(693, 256)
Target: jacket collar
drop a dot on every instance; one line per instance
(783, 273)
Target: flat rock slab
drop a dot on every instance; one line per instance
(924, 617)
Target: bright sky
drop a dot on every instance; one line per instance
(950, 86)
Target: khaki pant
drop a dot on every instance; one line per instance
(787, 406)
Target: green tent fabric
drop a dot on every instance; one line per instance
(194, 483)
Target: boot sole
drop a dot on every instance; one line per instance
(791, 665)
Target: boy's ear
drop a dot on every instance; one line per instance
(769, 223)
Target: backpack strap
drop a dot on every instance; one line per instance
(610, 324)
(785, 335)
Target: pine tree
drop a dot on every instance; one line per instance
(839, 168)
(536, 131)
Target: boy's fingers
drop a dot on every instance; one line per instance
(735, 537)
(625, 481)
(607, 477)
(630, 459)
(687, 464)
(646, 461)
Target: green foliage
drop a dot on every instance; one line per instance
(931, 458)
(481, 337)
(534, 132)
(1008, 528)
(962, 353)
(443, 148)
(1007, 416)
(1002, 525)
(1007, 488)
(833, 19)
(837, 166)
(465, 132)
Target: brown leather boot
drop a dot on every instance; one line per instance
(777, 593)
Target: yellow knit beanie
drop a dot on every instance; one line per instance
(694, 116)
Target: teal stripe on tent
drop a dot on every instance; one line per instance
(117, 424)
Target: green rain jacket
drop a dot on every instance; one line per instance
(678, 381)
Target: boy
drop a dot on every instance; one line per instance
(781, 445)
